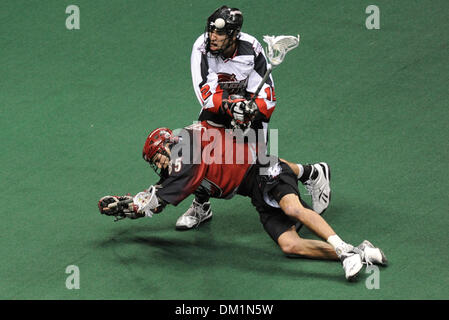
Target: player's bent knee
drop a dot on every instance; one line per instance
(293, 250)
(290, 244)
(294, 211)
(291, 206)
(289, 210)
(287, 247)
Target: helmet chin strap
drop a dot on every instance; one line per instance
(231, 43)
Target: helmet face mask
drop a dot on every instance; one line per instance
(155, 144)
(155, 167)
(224, 21)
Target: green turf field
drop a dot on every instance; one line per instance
(77, 105)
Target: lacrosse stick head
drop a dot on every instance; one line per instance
(278, 46)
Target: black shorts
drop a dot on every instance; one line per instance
(273, 219)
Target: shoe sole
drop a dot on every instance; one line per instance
(354, 277)
(384, 262)
(184, 228)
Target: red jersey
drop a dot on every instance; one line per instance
(208, 158)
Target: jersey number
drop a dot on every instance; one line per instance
(178, 164)
(205, 92)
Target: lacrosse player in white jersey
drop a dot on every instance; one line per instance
(227, 67)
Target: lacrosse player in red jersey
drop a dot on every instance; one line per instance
(227, 67)
(186, 162)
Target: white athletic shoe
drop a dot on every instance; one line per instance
(196, 214)
(351, 260)
(319, 188)
(371, 254)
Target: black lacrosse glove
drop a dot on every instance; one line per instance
(241, 111)
(119, 207)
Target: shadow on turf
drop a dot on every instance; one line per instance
(198, 248)
(203, 252)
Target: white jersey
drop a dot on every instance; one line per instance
(215, 78)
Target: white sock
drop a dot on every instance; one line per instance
(335, 241)
(301, 170)
(339, 245)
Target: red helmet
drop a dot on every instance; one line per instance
(156, 142)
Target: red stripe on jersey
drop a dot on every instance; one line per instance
(217, 99)
(262, 105)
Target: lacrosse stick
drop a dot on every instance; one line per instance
(118, 209)
(277, 48)
(120, 206)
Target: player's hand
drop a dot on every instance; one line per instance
(250, 109)
(233, 106)
(119, 207)
(238, 111)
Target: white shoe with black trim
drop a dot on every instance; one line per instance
(371, 254)
(196, 214)
(351, 259)
(319, 188)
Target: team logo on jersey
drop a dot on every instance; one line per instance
(229, 82)
(274, 171)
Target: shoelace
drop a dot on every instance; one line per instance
(350, 250)
(196, 208)
(309, 187)
(365, 258)
(367, 261)
(196, 212)
(345, 251)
